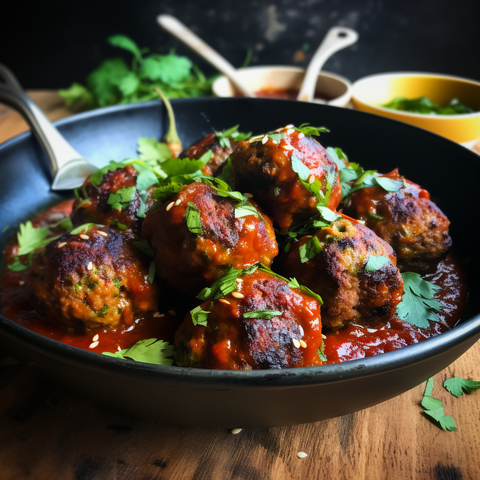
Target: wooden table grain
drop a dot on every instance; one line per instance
(47, 432)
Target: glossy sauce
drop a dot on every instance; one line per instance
(286, 94)
(350, 343)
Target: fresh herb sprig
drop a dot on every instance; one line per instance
(116, 82)
(425, 106)
(434, 409)
(150, 350)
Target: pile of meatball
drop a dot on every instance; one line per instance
(256, 311)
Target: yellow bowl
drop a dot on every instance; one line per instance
(370, 92)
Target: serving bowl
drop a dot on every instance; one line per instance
(369, 93)
(336, 89)
(241, 398)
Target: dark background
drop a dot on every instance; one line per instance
(50, 45)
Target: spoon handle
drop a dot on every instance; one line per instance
(336, 39)
(185, 35)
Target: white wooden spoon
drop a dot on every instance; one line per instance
(336, 39)
(185, 35)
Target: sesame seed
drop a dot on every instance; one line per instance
(248, 195)
(311, 178)
(301, 135)
(84, 237)
(302, 455)
(172, 312)
(237, 295)
(158, 315)
(223, 300)
(276, 142)
(287, 147)
(265, 139)
(95, 338)
(290, 131)
(170, 205)
(177, 203)
(90, 266)
(302, 343)
(21, 282)
(236, 430)
(62, 244)
(296, 343)
(324, 336)
(103, 234)
(93, 345)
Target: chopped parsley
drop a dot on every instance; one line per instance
(264, 314)
(31, 238)
(121, 197)
(376, 263)
(424, 105)
(233, 133)
(193, 220)
(310, 249)
(418, 305)
(150, 350)
(307, 129)
(434, 409)
(199, 316)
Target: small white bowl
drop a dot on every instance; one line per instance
(280, 77)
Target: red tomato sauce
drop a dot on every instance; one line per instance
(350, 343)
(286, 94)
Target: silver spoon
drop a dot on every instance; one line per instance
(67, 167)
(336, 39)
(185, 35)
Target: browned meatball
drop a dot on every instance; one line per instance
(406, 219)
(96, 278)
(96, 205)
(197, 238)
(209, 143)
(336, 268)
(240, 334)
(264, 166)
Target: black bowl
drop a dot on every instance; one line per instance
(259, 398)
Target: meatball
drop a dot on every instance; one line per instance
(267, 167)
(95, 204)
(263, 324)
(407, 219)
(197, 238)
(93, 279)
(334, 264)
(209, 143)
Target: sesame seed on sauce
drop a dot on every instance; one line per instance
(90, 266)
(223, 300)
(311, 178)
(301, 135)
(93, 345)
(21, 282)
(265, 139)
(95, 338)
(237, 295)
(234, 431)
(84, 237)
(287, 147)
(103, 234)
(177, 203)
(158, 315)
(61, 244)
(296, 343)
(302, 343)
(290, 131)
(170, 205)
(302, 455)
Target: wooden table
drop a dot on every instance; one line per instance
(48, 433)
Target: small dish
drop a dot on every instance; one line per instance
(369, 93)
(334, 89)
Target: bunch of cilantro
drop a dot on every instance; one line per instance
(114, 82)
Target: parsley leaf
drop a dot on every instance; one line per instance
(376, 263)
(17, 265)
(264, 314)
(232, 132)
(152, 149)
(145, 247)
(457, 385)
(121, 197)
(150, 350)
(307, 129)
(434, 409)
(418, 305)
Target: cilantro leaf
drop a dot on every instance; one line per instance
(310, 249)
(246, 210)
(17, 265)
(126, 43)
(457, 385)
(307, 129)
(199, 316)
(388, 184)
(152, 149)
(418, 305)
(121, 197)
(376, 263)
(96, 177)
(192, 217)
(299, 168)
(151, 271)
(264, 314)
(31, 238)
(169, 69)
(232, 132)
(150, 350)
(434, 409)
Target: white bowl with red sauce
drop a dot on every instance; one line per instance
(283, 82)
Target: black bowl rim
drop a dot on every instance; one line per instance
(339, 372)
